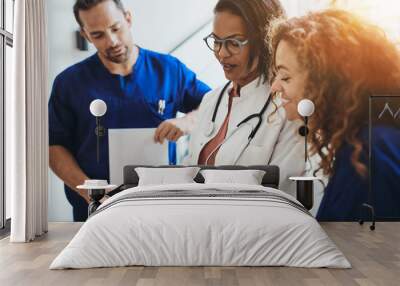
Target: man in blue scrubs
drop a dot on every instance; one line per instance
(141, 89)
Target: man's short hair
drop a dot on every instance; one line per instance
(84, 5)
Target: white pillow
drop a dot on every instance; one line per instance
(165, 176)
(248, 177)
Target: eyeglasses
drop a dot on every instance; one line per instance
(233, 46)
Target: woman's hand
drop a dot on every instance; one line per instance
(167, 130)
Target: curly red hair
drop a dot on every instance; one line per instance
(347, 60)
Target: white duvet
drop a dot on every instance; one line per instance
(183, 231)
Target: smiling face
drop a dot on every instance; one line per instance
(228, 25)
(107, 27)
(290, 80)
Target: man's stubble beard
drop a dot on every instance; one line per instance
(120, 59)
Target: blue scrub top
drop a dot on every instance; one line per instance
(347, 190)
(132, 102)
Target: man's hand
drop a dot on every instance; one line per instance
(167, 130)
(172, 129)
(64, 165)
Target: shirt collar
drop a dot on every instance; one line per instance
(253, 87)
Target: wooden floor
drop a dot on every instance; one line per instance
(375, 257)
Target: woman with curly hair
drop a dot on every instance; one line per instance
(337, 60)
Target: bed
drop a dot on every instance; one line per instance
(201, 224)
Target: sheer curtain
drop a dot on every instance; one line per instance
(26, 122)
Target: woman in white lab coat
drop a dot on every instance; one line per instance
(238, 43)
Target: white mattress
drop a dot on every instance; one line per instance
(202, 231)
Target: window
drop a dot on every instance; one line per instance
(6, 45)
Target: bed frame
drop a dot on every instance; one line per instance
(270, 179)
(131, 179)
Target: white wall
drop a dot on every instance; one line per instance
(296, 8)
(158, 25)
(195, 54)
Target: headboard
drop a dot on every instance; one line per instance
(270, 179)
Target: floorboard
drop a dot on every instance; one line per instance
(374, 255)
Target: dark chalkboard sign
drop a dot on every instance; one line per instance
(383, 156)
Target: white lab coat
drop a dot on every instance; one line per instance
(276, 143)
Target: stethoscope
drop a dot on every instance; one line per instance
(211, 126)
